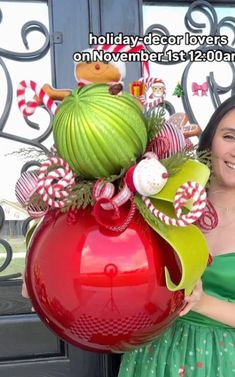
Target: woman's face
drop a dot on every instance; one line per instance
(223, 151)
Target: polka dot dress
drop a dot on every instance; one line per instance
(195, 346)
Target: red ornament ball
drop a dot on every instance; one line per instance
(101, 290)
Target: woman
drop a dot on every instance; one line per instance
(201, 343)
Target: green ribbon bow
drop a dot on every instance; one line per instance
(188, 242)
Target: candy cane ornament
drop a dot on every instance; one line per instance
(29, 108)
(189, 190)
(54, 186)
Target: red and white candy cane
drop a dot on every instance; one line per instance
(53, 150)
(189, 190)
(54, 186)
(103, 194)
(146, 102)
(28, 108)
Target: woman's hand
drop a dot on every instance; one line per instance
(193, 301)
(24, 290)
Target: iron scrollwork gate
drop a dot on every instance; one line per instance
(10, 284)
(5, 56)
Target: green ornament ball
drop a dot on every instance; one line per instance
(98, 133)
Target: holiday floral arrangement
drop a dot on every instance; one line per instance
(114, 249)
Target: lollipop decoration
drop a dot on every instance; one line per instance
(118, 244)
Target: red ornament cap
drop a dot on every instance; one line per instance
(129, 178)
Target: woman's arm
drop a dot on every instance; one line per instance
(217, 309)
(212, 307)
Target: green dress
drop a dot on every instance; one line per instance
(195, 346)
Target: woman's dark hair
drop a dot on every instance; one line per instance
(207, 135)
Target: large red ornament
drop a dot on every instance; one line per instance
(100, 290)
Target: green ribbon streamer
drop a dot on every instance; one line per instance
(188, 242)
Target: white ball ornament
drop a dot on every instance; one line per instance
(149, 176)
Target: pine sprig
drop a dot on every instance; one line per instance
(204, 157)
(174, 163)
(80, 197)
(30, 153)
(154, 122)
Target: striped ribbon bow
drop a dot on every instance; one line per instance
(107, 209)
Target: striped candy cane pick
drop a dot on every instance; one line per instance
(189, 190)
(29, 108)
(54, 186)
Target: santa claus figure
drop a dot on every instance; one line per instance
(158, 89)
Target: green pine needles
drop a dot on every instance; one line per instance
(154, 122)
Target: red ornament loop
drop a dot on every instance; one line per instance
(209, 218)
(106, 217)
(107, 207)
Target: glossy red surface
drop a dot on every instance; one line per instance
(100, 290)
